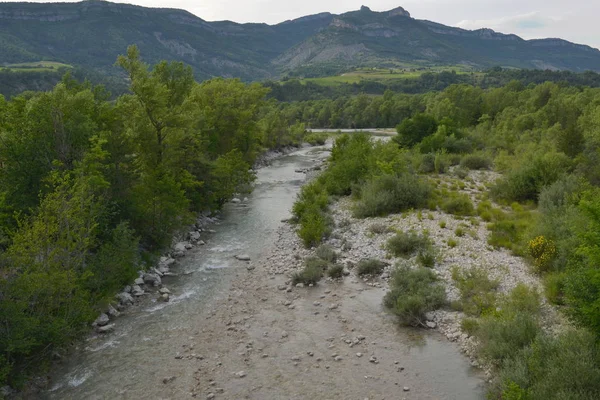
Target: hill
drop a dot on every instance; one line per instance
(91, 34)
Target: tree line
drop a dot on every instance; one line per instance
(92, 189)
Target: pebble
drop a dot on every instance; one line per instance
(359, 355)
(240, 374)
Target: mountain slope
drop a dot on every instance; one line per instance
(92, 33)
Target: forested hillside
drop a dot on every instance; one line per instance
(90, 34)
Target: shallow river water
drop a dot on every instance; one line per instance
(121, 364)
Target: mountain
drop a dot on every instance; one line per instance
(91, 34)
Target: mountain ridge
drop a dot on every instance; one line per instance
(92, 33)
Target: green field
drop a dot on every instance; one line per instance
(36, 66)
(380, 74)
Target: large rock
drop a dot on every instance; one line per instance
(101, 320)
(181, 246)
(125, 298)
(235, 200)
(138, 291)
(152, 279)
(166, 261)
(105, 328)
(194, 236)
(139, 282)
(112, 312)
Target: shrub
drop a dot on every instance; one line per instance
(542, 251)
(427, 164)
(426, 257)
(452, 243)
(379, 228)
(406, 244)
(565, 367)
(316, 139)
(370, 267)
(469, 325)
(312, 272)
(414, 292)
(458, 204)
(443, 224)
(335, 271)
(526, 181)
(477, 290)
(314, 227)
(391, 194)
(460, 232)
(475, 161)
(554, 284)
(461, 172)
(326, 253)
(502, 337)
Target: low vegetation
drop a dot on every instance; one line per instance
(407, 244)
(413, 293)
(370, 267)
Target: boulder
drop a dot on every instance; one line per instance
(139, 282)
(127, 289)
(189, 246)
(180, 247)
(138, 291)
(101, 320)
(105, 328)
(235, 200)
(194, 236)
(164, 297)
(112, 312)
(164, 291)
(125, 298)
(152, 279)
(166, 261)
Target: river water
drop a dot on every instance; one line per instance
(118, 365)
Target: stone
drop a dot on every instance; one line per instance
(235, 200)
(431, 325)
(300, 285)
(250, 267)
(152, 279)
(139, 281)
(243, 257)
(406, 389)
(194, 236)
(112, 312)
(101, 320)
(240, 374)
(166, 261)
(374, 360)
(169, 379)
(180, 247)
(189, 246)
(210, 396)
(201, 242)
(125, 298)
(359, 355)
(106, 328)
(165, 297)
(138, 291)
(127, 289)
(164, 290)
(338, 358)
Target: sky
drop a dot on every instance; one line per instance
(573, 20)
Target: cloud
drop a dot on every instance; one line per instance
(530, 21)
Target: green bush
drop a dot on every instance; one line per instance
(514, 326)
(316, 139)
(477, 290)
(461, 172)
(312, 272)
(426, 257)
(554, 285)
(458, 204)
(314, 227)
(527, 180)
(335, 271)
(327, 253)
(475, 161)
(406, 244)
(413, 293)
(566, 367)
(370, 267)
(391, 194)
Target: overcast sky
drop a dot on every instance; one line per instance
(574, 20)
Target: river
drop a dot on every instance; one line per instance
(130, 361)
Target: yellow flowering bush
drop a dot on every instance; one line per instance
(542, 250)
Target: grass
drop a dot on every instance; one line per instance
(312, 273)
(379, 228)
(335, 271)
(426, 257)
